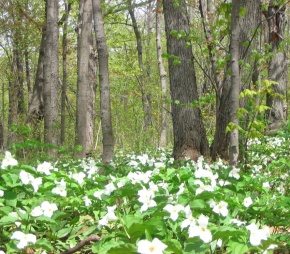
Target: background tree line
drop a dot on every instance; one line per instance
(93, 74)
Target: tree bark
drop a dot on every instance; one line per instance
(105, 101)
(189, 133)
(277, 71)
(64, 72)
(162, 74)
(36, 108)
(235, 83)
(51, 76)
(84, 44)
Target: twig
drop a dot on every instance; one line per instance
(81, 244)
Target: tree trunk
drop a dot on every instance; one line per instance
(235, 83)
(277, 71)
(105, 101)
(249, 23)
(64, 72)
(146, 98)
(91, 111)
(36, 108)
(51, 76)
(84, 44)
(189, 133)
(162, 74)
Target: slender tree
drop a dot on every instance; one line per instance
(67, 7)
(51, 77)
(146, 98)
(105, 101)
(235, 83)
(189, 133)
(162, 73)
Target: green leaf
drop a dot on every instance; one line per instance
(11, 180)
(44, 244)
(236, 246)
(63, 232)
(6, 220)
(196, 246)
(123, 248)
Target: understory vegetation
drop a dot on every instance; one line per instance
(148, 203)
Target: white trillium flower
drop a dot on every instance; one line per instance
(154, 247)
(173, 210)
(8, 161)
(36, 211)
(235, 173)
(48, 208)
(110, 216)
(256, 234)
(98, 194)
(190, 220)
(1, 193)
(25, 177)
(248, 201)
(44, 168)
(79, 177)
(109, 188)
(2, 252)
(88, 202)
(221, 208)
(203, 187)
(201, 229)
(237, 222)
(23, 239)
(36, 182)
(60, 189)
(266, 185)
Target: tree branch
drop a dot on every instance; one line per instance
(81, 244)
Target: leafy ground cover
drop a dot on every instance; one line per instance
(147, 204)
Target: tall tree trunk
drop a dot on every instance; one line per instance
(277, 71)
(64, 72)
(162, 74)
(249, 23)
(189, 133)
(146, 98)
(36, 108)
(235, 83)
(50, 94)
(105, 100)
(84, 44)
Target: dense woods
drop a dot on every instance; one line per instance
(90, 77)
(144, 126)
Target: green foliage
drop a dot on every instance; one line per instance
(199, 186)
